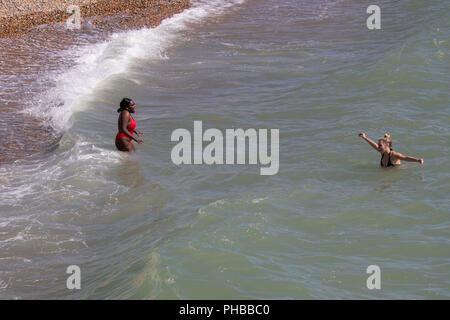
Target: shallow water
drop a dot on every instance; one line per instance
(141, 227)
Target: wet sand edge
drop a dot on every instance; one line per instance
(15, 23)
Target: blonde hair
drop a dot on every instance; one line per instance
(387, 138)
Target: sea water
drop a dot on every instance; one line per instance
(140, 227)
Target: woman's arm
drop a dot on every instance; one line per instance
(406, 158)
(372, 143)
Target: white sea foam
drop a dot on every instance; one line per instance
(38, 180)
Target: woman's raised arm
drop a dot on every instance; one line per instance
(372, 143)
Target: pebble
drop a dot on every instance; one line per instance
(19, 16)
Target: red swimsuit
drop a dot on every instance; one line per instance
(130, 129)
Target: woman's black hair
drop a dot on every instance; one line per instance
(124, 104)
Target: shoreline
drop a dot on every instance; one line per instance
(18, 17)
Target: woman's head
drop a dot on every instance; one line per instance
(128, 105)
(385, 143)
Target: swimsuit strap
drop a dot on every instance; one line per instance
(389, 164)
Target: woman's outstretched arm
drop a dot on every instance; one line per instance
(406, 158)
(372, 143)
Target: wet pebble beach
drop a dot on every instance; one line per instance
(20, 16)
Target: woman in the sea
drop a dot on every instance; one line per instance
(127, 126)
(389, 157)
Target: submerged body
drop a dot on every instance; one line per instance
(389, 162)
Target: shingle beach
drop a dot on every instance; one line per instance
(18, 16)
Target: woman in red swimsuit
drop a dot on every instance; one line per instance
(127, 126)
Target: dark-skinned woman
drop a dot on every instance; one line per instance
(127, 126)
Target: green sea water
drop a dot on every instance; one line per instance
(140, 227)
